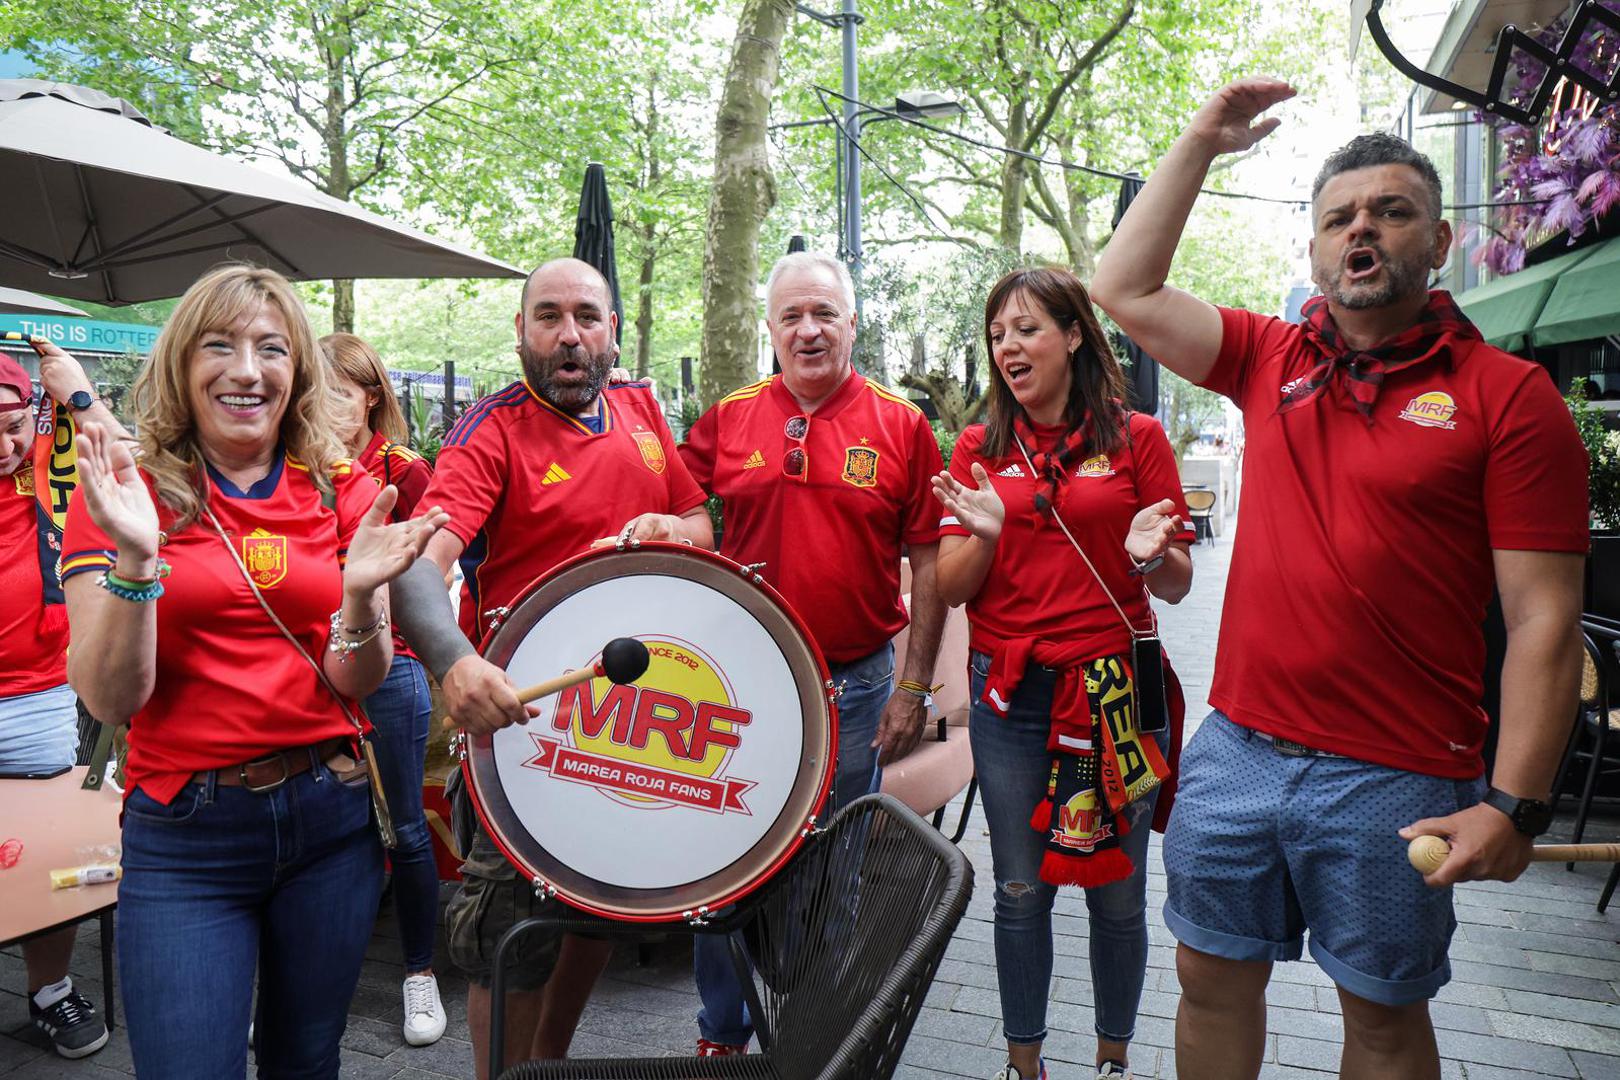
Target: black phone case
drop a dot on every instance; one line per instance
(1153, 710)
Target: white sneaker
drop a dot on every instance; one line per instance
(1010, 1072)
(424, 1013)
(1113, 1070)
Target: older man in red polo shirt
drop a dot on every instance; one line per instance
(1397, 468)
(825, 477)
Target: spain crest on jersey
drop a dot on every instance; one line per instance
(24, 479)
(265, 556)
(861, 466)
(652, 451)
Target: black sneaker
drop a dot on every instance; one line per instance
(75, 1029)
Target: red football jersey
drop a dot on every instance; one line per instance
(1038, 586)
(33, 634)
(830, 542)
(1362, 564)
(526, 485)
(391, 463)
(229, 687)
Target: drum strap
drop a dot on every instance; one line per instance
(365, 746)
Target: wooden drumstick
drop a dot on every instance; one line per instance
(624, 660)
(1427, 853)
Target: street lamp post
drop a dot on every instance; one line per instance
(850, 157)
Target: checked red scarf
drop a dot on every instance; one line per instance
(1441, 323)
(1052, 464)
(1100, 763)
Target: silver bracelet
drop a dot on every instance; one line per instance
(346, 646)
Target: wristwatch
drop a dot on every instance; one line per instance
(1532, 817)
(80, 400)
(1142, 569)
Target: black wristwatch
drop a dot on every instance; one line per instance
(1143, 569)
(80, 400)
(1532, 817)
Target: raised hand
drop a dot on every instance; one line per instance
(60, 374)
(380, 551)
(980, 510)
(1226, 123)
(1152, 529)
(116, 496)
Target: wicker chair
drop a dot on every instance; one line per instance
(844, 943)
(1201, 508)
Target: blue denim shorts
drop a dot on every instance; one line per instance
(1263, 846)
(39, 731)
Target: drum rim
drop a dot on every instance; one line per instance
(787, 833)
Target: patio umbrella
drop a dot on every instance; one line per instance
(1142, 379)
(593, 234)
(98, 204)
(17, 302)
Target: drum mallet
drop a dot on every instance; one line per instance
(1427, 853)
(624, 660)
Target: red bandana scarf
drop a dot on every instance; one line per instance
(1051, 464)
(1440, 323)
(1100, 763)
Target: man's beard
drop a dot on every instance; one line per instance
(1400, 280)
(571, 397)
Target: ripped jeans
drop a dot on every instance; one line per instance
(1010, 756)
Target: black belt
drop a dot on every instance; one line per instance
(1290, 748)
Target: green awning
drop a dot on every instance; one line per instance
(1585, 303)
(1506, 310)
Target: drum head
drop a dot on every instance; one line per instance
(683, 791)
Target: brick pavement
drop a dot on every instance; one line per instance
(1534, 993)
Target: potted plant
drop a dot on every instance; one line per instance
(1603, 487)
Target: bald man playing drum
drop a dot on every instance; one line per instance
(531, 475)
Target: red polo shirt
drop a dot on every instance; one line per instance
(1363, 563)
(830, 541)
(33, 634)
(1038, 586)
(409, 472)
(229, 687)
(526, 485)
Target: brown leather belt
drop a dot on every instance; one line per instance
(269, 772)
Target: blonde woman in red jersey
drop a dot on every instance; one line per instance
(371, 428)
(245, 851)
(1061, 465)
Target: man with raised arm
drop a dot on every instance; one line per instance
(1397, 469)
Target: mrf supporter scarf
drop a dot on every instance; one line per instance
(1100, 763)
(54, 474)
(1440, 323)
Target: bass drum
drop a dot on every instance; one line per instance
(684, 791)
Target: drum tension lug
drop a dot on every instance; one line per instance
(698, 918)
(751, 570)
(544, 889)
(496, 616)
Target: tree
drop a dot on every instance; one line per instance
(743, 193)
(359, 98)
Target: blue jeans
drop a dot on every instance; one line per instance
(400, 711)
(867, 684)
(223, 881)
(1013, 763)
(39, 731)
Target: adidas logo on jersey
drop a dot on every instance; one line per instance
(555, 475)
(756, 460)
(1013, 470)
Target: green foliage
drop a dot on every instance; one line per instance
(114, 376)
(427, 427)
(947, 440)
(1603, 450)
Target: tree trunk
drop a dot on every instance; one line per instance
(343, 306)
(334, 50)
(644, 305)
(1011, 233)
(744, 192)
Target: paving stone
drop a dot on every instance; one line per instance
(1563, 1008)
(958, 1027)
(1596, 1066)
(1460, 1018)
(1571, 1036)
(947, 1058)
(1506, 1053)
(1539, 981)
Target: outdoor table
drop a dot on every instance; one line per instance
(55, 818)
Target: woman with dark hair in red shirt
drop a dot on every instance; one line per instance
(1058, 511)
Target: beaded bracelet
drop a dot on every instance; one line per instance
(345, 647)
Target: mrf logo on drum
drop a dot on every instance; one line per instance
(664, 743)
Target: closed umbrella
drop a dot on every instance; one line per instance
(18, 302)
(1142, 378)
(98, 204)
(593, 234)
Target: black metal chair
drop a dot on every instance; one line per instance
(844, 944)
(1596, 722)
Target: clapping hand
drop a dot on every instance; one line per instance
(980, 510)
(116, 496)
(1152, 529)
(380, 551)
(1226, 123)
